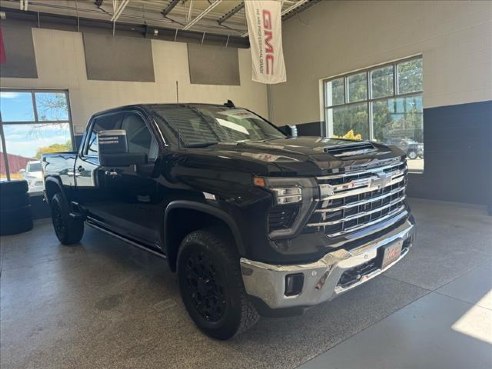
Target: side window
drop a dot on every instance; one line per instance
(103, 123)
(139, 137)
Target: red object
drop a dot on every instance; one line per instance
(16, 163)
(3, 56)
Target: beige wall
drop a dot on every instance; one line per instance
(61, 65)
(335, 37)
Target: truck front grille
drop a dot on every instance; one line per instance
(357, 199)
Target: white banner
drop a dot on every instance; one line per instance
(265, 37)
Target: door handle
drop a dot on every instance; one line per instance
(76, 174)
(111, 173)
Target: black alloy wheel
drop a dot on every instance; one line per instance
(206, 287)
(58, 223)
(211, 284)
(68, 229)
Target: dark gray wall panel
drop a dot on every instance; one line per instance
(109, 58)
(213, 65)
(309, 129)
(19, 50)
(458, 154)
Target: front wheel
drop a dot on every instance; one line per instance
(211, 285)
(412, 155)
(68, 230)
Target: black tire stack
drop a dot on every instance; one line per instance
(15, 208)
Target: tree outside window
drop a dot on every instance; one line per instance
(382, 104)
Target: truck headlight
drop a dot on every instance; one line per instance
(294, 200)
(287, 195)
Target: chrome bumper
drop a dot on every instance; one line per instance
(321, 278)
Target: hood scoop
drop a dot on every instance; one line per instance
(351, 149)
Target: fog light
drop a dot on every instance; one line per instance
(293, 284)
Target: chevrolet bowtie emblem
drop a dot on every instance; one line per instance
(382, 180)
(326, 190)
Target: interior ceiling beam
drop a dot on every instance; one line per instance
(201, 15)
(119, 9)
(169, 7)
(230, 13)
(294, 6)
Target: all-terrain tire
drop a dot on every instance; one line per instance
(9, 188)
(221, 287)
(16, 220)
(15, 208)
(68, 230)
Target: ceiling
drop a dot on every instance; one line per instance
(220, 17)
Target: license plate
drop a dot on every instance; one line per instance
(391, 253)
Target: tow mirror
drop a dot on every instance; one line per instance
(113, 150)
(289, 130)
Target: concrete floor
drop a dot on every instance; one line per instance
(104, 304)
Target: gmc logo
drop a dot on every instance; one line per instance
(268, 35)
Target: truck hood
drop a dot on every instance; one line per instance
(300, 156)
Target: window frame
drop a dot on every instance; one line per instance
(84, 152)
(369, 100)
(154, 143)
(85, 145)
(36, 120)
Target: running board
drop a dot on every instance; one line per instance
(124, 239)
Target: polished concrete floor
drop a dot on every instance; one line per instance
(104, 304)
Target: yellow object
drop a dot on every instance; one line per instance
(350, 135)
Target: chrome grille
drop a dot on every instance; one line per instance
(354, 200)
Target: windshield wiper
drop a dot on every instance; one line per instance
(201, 144)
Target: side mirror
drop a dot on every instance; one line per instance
(290, 131)
(113, 150)
(22, 171)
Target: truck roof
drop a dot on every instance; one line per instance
(151, 106)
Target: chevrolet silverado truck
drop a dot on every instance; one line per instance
(253, 221)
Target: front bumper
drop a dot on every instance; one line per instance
(326, 278)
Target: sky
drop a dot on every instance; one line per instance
(25, 139)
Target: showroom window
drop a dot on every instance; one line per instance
(382, 104)
(32, 123)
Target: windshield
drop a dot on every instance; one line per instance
(207, 125)
(34, 167)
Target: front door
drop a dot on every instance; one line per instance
(136, 198)
(91, 191)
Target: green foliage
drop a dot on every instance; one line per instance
(410, 76)
(395, 117)
(351, 117)
(67, 146)
(382, 82)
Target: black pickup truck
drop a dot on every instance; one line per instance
(254, 221)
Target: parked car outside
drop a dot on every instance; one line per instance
(34, 176)
(412, 148)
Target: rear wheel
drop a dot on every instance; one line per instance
(211, 285)
(68, 230)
